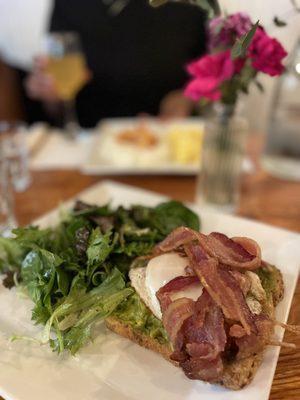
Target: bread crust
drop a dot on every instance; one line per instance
(138, 337)
(237, 373)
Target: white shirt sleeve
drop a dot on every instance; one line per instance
(22, 26)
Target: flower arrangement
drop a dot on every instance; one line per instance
(238, 51)
(232, 64)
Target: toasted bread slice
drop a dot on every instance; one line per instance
(122, 329)
(237, 374)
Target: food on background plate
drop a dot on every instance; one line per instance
(139, 136)
(144, 144)
(185, 143)
(127, 148)
(204, 302)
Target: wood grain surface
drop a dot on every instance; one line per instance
(263, 198)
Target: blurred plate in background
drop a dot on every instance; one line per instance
(146, 146)
(125, 146)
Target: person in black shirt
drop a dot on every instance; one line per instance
(136, 55)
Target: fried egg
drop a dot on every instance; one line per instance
(159, 271)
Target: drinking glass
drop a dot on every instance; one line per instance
(14, 150)
(7, 217)
(67, 65)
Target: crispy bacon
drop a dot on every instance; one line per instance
(176, 312)
(201, 368)
(205, 339)
(173, 318)
(222, 287)
(197, 329)
(202, 307)
(176, 284)
(234, 252)
(282, 344)
(176, 239)
(254, 343)
(205, 327)
(250, 245)
(203, 350)
(288, 327)
(239, 252)
(237, 331)
(243, 281)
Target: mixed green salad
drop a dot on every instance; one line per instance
(76, 273)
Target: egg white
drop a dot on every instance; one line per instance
(159, 271)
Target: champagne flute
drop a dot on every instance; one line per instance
(67, 66)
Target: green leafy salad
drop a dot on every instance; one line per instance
(76, 273)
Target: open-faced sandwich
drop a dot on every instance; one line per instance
(216, 300)
(204, 302)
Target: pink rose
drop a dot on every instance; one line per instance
(223, 32)
(208, 74)
(266, 53)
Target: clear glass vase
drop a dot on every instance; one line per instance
(222, 156)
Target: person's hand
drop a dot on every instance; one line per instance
(39, 84)
(175, 105)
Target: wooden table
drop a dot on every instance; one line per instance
(263, 198)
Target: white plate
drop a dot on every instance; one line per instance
(113, 368)
(69, 153)
(106, 157)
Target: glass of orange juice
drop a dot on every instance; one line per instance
(67, 65)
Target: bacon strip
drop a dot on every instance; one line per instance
(176, 284)
(192, 332)
(201, 368)
(196, 329)
(234, 252)
(239, 252)
(205, 339)
(176, 312)
(237, 331)
(290, 328)
(255, 342)
(222, 287)
(176, 239)
(174, 316)
(206, 326)
(282, 344)
(243, 281)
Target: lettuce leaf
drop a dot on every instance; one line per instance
(86, 308)
(76, 272)
(11, 255)
(165, 217)
(39, 273)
